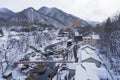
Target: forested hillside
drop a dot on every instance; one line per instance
(110, 43)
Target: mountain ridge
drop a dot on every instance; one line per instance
(44, 15)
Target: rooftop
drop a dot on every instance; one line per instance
(95, 37)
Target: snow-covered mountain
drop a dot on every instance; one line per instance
(3, 16)
(6, 13)
(32, 16)
(61, 16)
(49, 16)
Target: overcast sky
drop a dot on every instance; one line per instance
(94, 10)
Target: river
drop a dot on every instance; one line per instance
(44, 76)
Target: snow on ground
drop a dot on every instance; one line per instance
(108, 68)
(92, 70)
(18, 75)
(84, 72)
(63, 74)
(1, 74)
(89, 70)
(80, 73)
(15, 74)
(72, 65)
(58, 39)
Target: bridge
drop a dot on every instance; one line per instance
(46, 61)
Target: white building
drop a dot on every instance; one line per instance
(87, 53)
(91, 40)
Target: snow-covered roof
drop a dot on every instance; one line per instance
(87, 37)
(65, 32)
(95, 36)
(76, 33)
(87, 56)
(46, 31)
(86, 52)
(87, 46)
(70, 40)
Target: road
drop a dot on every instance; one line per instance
(50, 47)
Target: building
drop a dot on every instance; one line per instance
(88, 54)
(77, 36)
(87, 40)
(1, 33)
(95, 39)
(63, 33)
(91, 59)
(91, 40)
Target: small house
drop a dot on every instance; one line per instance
(88, 54)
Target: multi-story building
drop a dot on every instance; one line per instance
(90, 40)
